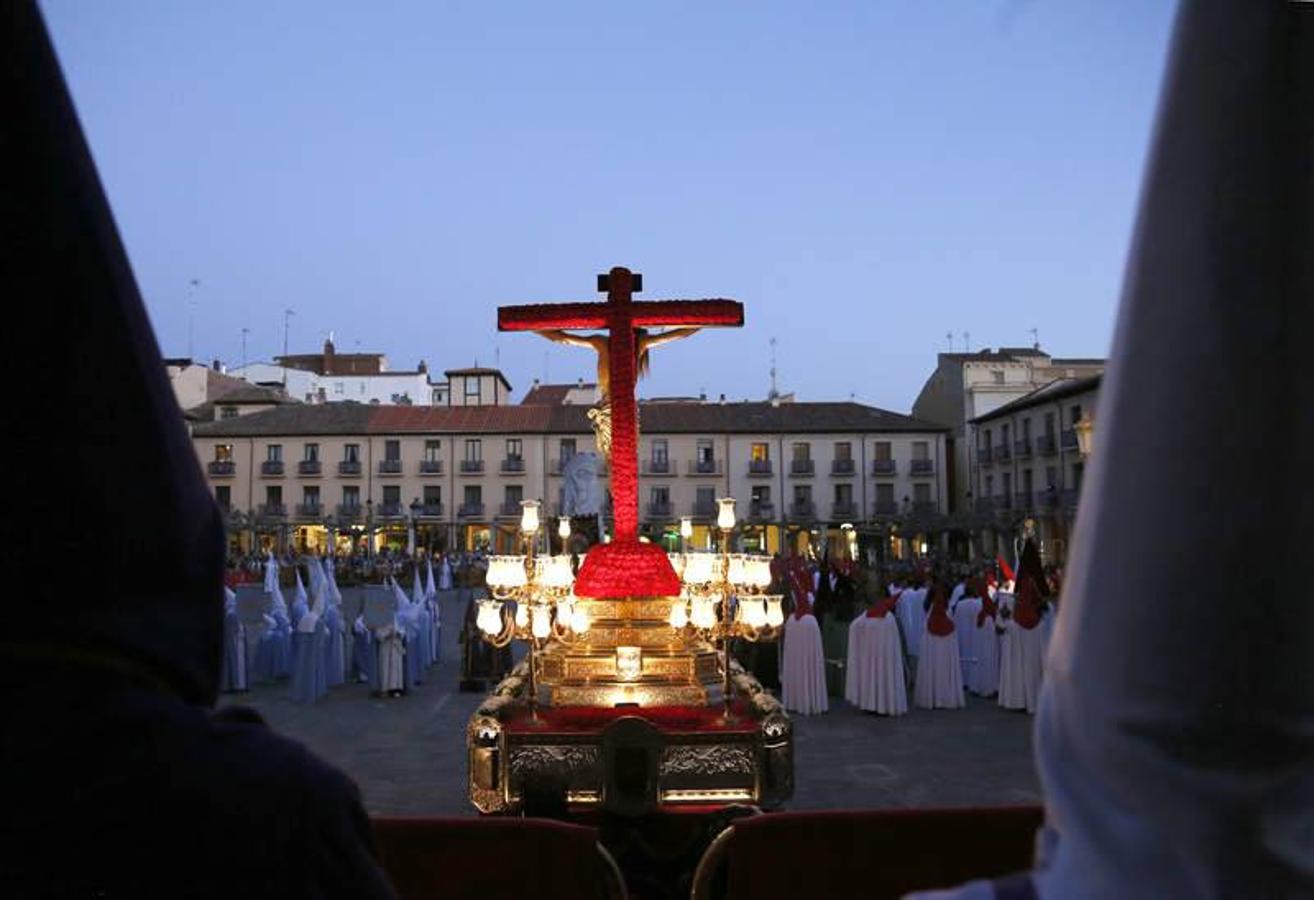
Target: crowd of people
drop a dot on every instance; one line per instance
(935, 634)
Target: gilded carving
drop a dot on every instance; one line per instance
(710, 759)
(551, 759)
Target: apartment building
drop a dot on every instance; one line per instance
(1027, 462)
(457, 474)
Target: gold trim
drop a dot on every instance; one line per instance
(712, 860)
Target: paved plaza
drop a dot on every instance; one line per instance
(408, 754)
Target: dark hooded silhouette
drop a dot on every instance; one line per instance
(118, 779)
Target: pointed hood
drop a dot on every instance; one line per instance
(417, 589)
(1175, 721)
(86, 340)
(430, 589)
(271, 571)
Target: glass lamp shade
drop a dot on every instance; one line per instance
(529, 516)
(565, 608)
(761, 573)
(506, 572)
(579, 620)
(489, 617)
(704, 613)
(679, 614)
(542, 622)
(522, 615)
(677, 563)
(556, 572)
(686, 527)
(738, 573)
(725, 513)
(754, 612)
(775, 613)
(563, 528)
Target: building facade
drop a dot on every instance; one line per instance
(1027, 463)
(354, 473)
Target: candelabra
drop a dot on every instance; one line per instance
(737, 583)
(541, 588)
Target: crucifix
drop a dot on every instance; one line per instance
(622, 354)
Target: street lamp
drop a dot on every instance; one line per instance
(686, 532)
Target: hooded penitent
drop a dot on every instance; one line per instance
(1176, 727)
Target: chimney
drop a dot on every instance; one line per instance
(702, 396)
(215, 365)
(722, 400)
(328, 368)
(580, 383)
(422, 368)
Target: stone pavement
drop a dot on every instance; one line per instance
(408, 754)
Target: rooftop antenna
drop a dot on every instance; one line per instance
(949, 336)
(245, 332)
(1035, 337)
(774, 393)
(967, 342)
(287, 322)
(191, 312)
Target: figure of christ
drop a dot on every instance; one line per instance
(644, 341)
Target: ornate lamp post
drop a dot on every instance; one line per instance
(416, 509)
(541, 588)
(737, 583)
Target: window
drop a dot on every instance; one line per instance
(351, 496)
(844, 493)
(1003, 435)
(660, 497)
(514, 448)
(567, 447)
(311, 453)
(1026, 430)
(989, 438)
(223, 495)
(659, 452)
(228, 412)
(921, 494)
(1051, 478)
(802, 494)
(761, 452)
(922, 449)
(351, 453)
(1026, 482)
(474, 450)
(884, 451)
(392, 495)
(1049, 424)
(884, 497)
(433, 451)
(273, 495)
(1074, 414)
(1007, 478)
(998, 376)
(392, 451)
(706, 454)
(761, 494)
(802, 451)
(433, 495)
(310, 496)
(515, 493)
(705, 498)
(843, 451)
(990, 486)
(337, 389)
(474, 495)
(223, 452)
(274, 453)
(472, 389)
(1078, 471)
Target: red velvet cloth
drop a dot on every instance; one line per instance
(988, 609)
(626, 569)
(876, 854)
(1026, 609)
(669, 719)
(938, 622)
(479, 859)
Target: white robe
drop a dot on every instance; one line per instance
(912, 617)
(390, 661)
(985, 669)
(965, 614)
(939, 682)
(874, 679)
(1021, 666)
(803, 671)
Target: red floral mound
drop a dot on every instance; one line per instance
(626, 569)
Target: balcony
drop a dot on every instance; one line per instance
(510, 509)
(221, 468)
(1003, 453)
(391, 510)
(1046, 445)
(705, 467)
(759, 468)
(884, 467)
(704, 510)
(658, 510)
(802, 467)
(431, 467)
(513, 465)
(472, 467)
(470, 510)
(803, 509)
(310, 467)
(1004, 502)
(761, 510)
(390, 467)
(922, 467)
(843, 509)
(841, 467)
(1068, 440)
(271, 468)
(925, 506)
(273, 510)
(886, 508)
(350, 511)
(349, 467)
(656, 467)
(310, 510)
(431, 511)
(1022, 448)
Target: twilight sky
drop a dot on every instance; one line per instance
(866, 176)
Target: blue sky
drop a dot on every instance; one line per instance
(865, 176)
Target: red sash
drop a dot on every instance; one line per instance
(938, 622)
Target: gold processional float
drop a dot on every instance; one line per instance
(628, 699)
